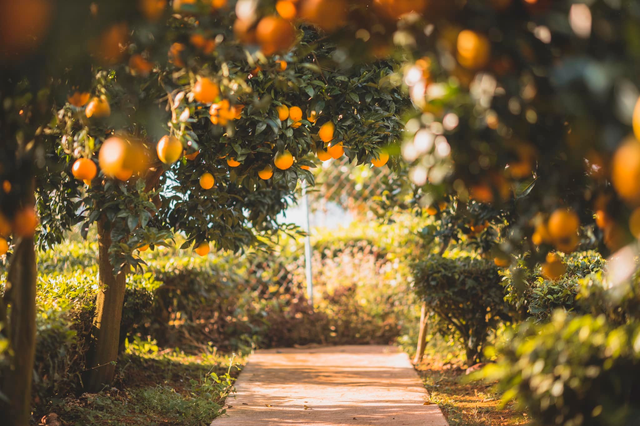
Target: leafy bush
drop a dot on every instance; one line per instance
(534, 296)
(229, 302)
(466, 297)
(573, 371)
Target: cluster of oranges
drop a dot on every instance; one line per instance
(561, 230)
(23, 225)
(97, 107)
(121, 158)
(206, 91)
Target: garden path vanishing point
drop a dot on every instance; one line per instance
(330, 386)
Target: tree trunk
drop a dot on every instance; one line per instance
(21, 295)
(472, 351)
(422, 335)
(103, 354)
(424, 314)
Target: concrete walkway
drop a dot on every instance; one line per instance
(330, 386)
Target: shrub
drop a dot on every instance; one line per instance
(573, 371)
(466, 297)
(228, 301)
(534, 296)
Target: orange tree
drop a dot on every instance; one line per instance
(525, 105)
(147, 122)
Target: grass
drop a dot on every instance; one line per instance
(153, 387)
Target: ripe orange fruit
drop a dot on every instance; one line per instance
(124, 174)
(625, 171)
(432, 211)
(634, 223)
(218, 4)
(636, 120)
(4, 247)
(143, 248)
(502, 261)
(139, 65)
(602, 219)
(266, 173)
(179, 5)
(5, 226)
(275, 34)
(207, 181)
(79, 99)
(283, 112)
(175, 54)
(286, 9)
(553, 269)
(312, 117)
(84, 169)
(541, 235)
(474, 49)
(203, 249)
(98, 107)
(568, 244)
(328, 15)
(110, 46)
(232, 162)
(326, 132)
(192, 156)
(205, 90)
(281, 65)
(6, 186)
(198, 40)
(323, 154)
(284, 160)
(476, 229)
(305, 167)
(23, 25)
(221, 112)
(152, 9)
(336, 150)
(244, 32)
(236, 111)
(396, 8)
(25, 222)
(615, 237)
(169, 149)
(381, 160)
(563, 223)
(295, 113)
(112, 156)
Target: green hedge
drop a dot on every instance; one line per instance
(466, 297)
(230, 302)
(581, 365)
(573, 371)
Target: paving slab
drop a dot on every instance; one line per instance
(330, 386)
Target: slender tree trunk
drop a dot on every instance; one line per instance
(106, 324)
(422, 335)
(424, 315)
(21, 295)
(473, 352)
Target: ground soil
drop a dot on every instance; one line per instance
(470, 404)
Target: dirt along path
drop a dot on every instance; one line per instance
(338, 385)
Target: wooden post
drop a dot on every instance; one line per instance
(21, 295)
(422, 335)
(106, 324)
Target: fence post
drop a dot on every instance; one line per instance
(307, 244)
